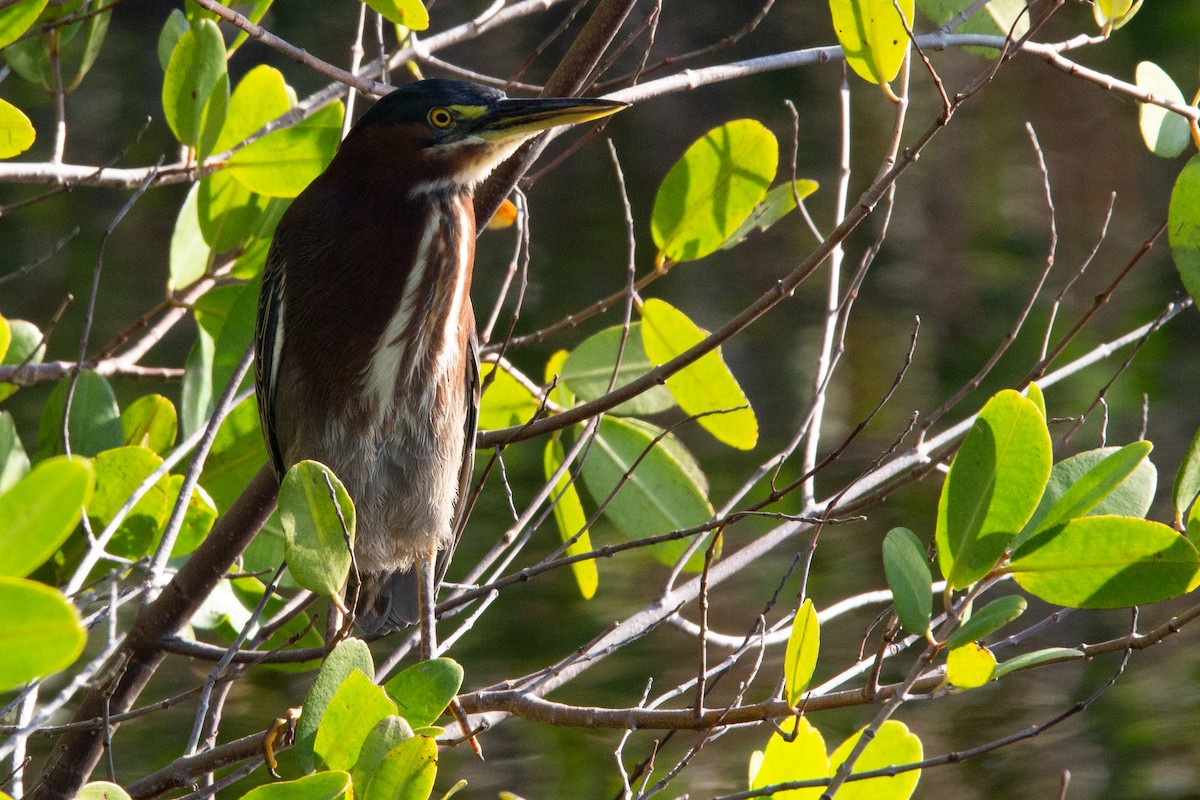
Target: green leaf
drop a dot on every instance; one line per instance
(423, 691)
(505, 400)
(993, 487)
(660, 496)
(704, 386)
(1034, 393)
(5, 336)
(345, 658)
(711, 191)
(970, 666)
(801, 658)
(909, 579)
(409, 13)
(41, 511)
(1187, 481)
(1087, 491)
(102, 790)
(39, 631)
(1121, 481)
(228, 212)
(261, 96)
(388, 733)
(25, 342)
(14, 462)
(801, 759)
(19, 18)
(95, 423)
(254, 15)
(572, 522)
(316, 547)
(588, 369)
(198, 519)
(238, 452)
(1164, 132)
(1028, 660)
(190, 255)
(893, 745)
(1183, 225)
(195, 396)
(872, 36)
(987, 620)
(1106, 562)
(195, 77)
(150, 421)
(778, 203)
(996, 18)
(321, 786)
(1112, 14)
(283, 162)
(16, 131)
(93, 41)
(118, 473)
(236, 336)
(407, 771)
(173, 29)
(355, 709)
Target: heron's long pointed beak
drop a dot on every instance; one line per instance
(520, 118)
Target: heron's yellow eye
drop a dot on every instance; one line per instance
(441, 118)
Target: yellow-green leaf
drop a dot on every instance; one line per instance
(407, 771)
(1112, 14)
(506, 401)
(801, 759)
(568, 513)
(704, 386)
(18, 18)
(151, 422)
(39, 632)
(1183, 225)
(318, 534)
(970, 666)
(355, 709)
(409, 13)
(711, 191)
(16, 131)
(893, 745)
(41, 511)
(320, 786)
(193, 78)
(283, 162)
(801, 658)
(1164, 132)
(872, 35)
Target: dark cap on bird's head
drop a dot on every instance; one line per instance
(467, 128)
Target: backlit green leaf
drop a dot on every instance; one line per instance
(423, 691)
(16, 131)
(317, 546)
(348, 656)
(1183, 225)
(588, 370)
(118, 473)
(993, 487)
(1106, 562)
(970, 665)
(1187, 481)
(17, 18)
(102, 790)
(388, 733)
(283, 162)
(893, 745)
(987, 620)
(95, 423)
(14, 461)
(198, 519)
(261, 96)
(1112, 14)
(1034, 393)
(407, 771)
(505, 401)
(39, 632)
(41, 511)
(778, 203)
(711, 191)
(800, 660)
(996, 18)
(659, 497)
(320, 786)
(176, 26)
(150, 421)
(236, 456)
(568, 514)
(909, 579)
(195, 75)
(355, 709)
(25, 346)
(409, 13)
(195, 395)
(1164, 132)
(1029, 660)
(704, 386)
(190, 256)
(872, 35)
(803, 758)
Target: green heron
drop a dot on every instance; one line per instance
(366, 357)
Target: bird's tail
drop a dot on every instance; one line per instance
(387, 601)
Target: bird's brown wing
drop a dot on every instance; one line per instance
(462, 507)
(268, 344)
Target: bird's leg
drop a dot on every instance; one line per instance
(426, 576)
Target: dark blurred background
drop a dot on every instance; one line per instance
(968, 239)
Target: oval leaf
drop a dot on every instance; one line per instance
(41, 511)
(1187, 481)
(1037, 657)
(321, 786)
(409, 13)
(17, 18)
(801, 657)
(970, 666)
(872, 35)
(25, 346)
(150, 422)
(1183, 225)
(407, 771)
(704, 387)
(1164, 132)
(346, 657)
(711, 191)
(283, 162)
(16, 131)
(319, 533)
(194, 74)
(14, 461)
(119, 472)
(778, 203)
(39, 632)
(893, 745)
(390, 732)
(1106, 562)
(505, 399)
(102, 790)
(571, 521)
(993, 487)
(588, 370)
(801, 759)
(423, 691)
(1112, 14)
(909, 579)
(987, 620)
(355, 709)
(95, 423)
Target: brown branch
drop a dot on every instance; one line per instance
(183, 772)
